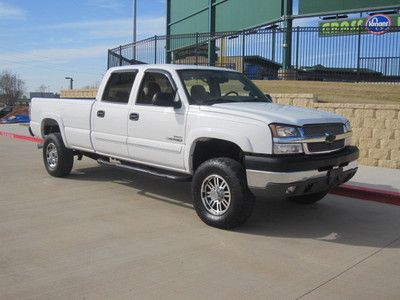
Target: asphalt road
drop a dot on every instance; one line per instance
(105, 233)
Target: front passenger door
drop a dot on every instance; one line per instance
(156, 133)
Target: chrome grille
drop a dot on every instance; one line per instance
(322, 129)
(323, 147)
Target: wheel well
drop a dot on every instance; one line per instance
(49, 126)
(212, 148)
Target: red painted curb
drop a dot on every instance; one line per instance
(20, 137)
(366, 193)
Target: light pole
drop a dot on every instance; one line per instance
(71, 82)
(134, 6)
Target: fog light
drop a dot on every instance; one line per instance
(291, 189)
(287, 148)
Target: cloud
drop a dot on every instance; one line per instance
(115, 5)
(8, 11)
(53, 56)
(114, 28)
(146, 27)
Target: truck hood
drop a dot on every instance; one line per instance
(275, 113)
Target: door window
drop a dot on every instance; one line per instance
(119, 87)
(152, 84)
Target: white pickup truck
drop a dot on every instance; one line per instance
(209, 125)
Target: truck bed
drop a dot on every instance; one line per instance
(72, 114)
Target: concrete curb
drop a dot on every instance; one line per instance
(366, 193)
(20, 137)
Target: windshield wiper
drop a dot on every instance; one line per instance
(216, 101)
(255, 100)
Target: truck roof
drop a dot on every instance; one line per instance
(169, 67)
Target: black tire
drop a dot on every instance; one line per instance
(241, 201)
(308, 199)
(61, 166)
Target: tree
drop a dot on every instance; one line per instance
(43, 88)
(11, 87)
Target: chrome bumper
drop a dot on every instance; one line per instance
(262, 179)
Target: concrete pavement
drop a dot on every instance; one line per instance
(104, 233)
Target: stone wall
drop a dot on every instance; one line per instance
(79, 93)
(376, 127)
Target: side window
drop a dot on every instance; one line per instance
(119, 87)
(152, 84)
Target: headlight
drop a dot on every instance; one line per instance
(279, 131)
(287, 148)
(347, 126)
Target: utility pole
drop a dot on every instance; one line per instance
(134, 7)
(287, 39)
(71, 82)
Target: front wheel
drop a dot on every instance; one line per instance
(220, 194)
(57, 159)
(308, 199)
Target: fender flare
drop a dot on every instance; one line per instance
(201, 134)
(60, 123)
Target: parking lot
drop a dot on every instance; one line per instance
(106, 233)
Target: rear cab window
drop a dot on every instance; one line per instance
(119, 87)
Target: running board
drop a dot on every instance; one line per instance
(147, 170)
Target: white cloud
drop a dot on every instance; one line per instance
(8, 11)
(111, 28)
(146, 26)
(115, 5)
(53, 56)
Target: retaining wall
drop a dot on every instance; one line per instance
(376, 127)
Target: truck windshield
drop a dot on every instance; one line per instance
(208, 87)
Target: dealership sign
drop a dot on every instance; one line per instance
(376, 24)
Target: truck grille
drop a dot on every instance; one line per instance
(319, 130)
(323, 147)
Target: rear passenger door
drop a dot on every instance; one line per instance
(156, 133)
(110, 115)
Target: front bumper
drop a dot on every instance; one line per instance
(291, 176)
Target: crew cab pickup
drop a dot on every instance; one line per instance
(211, 126)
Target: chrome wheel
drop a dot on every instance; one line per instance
(52, 155)
(215, 194)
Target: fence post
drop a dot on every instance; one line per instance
(120, 55)
(197, 48)
(358, 53)
(155, 49)
(297, 46)
(243, 50)
(273, 44)
(108, 59)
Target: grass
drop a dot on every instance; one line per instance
(342, 92)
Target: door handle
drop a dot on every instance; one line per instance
(134, 116)
(101, 113)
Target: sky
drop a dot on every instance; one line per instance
(44, 41)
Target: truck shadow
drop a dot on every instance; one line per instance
(335, 219)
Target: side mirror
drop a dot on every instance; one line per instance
(269, 97)
(166, 100)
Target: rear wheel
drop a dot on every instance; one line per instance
(57, 159)
(220, 194)
(308, 199)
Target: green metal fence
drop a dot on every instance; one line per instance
(259, 52)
